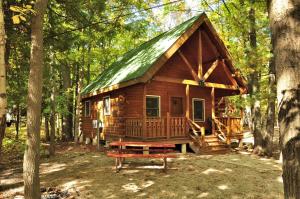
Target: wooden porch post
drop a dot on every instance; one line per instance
(213, 114)
(228, 130)
(187, 98)
(144, 112)
(168, 125)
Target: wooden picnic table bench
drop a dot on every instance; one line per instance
(158, 150)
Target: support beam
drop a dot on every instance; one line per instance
(193, 83)
(145, 150)
(229, 74)
(187, 99)
(211, 69)
(168, 125)
(200, 61)
(194, 74)
(213, 114)
(144, 111)
(183, 148)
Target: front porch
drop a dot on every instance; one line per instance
(174, 129)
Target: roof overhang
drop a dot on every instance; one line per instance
(171, 51)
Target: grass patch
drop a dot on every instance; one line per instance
(92, 175)
(13, 149)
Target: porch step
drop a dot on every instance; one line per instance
(212, 145)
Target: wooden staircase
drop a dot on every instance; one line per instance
(211, 144)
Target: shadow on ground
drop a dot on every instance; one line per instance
(92, 175)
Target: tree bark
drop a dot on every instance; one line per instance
(88, 74)
(285, 22)
(47, 130)
(254, 86)
(68, 118)
(17, 121)
(270, 114)
(32, 151)
(78, 104)
(52, 123)
(52, 110)
(3, 97)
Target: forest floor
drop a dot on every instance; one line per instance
(86, 173)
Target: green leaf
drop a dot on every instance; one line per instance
(28, 6)
(16, 19)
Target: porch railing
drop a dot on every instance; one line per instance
(133, 127)
(178, 126)
(166, 127)
(228, 127)
(162, 127)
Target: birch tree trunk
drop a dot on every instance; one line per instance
(3, 99)
(285, 26)
(32, 151)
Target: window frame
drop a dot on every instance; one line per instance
(203, 102)
(89, 108)
(109, 106)
(159, 105)
(183, 106)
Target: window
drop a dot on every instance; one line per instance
(153, 106)
(176, 106)
(106, 105)
(87, 108)
(198, 109)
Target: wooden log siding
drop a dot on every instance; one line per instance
(113, 126)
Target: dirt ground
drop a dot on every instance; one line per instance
(86, 173)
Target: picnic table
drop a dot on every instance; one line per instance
(121, 150)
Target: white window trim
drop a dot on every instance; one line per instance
(85, 115)
(109, 105)
(199, 99)
(159, 108)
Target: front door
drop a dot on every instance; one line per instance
(176, 106)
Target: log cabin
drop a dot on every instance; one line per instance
(169, 89)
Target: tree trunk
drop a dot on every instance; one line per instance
(17, 121)
(254, 86)
(88, 74)
(3, 99)
(52, 110)
(52, 123)
(47, 130)
(270, 114)
(285, 21)
(78, 104)
(32, 151)
(68, 118)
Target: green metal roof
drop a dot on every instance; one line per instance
(135, 63)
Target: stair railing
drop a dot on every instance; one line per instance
(220, 134)
(198, 132)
